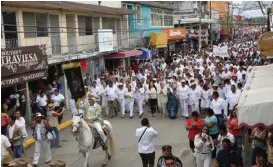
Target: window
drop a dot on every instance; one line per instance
(35, 24)
(168, 18)
(85, 25)
(156, 17)
(109, 23)
(138, 16)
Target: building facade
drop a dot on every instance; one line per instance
(70, 31)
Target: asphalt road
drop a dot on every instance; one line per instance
(171, 132)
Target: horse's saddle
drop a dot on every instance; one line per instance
(105, 129)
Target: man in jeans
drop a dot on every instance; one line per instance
(52, 118)
(146, 148)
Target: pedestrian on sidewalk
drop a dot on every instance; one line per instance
(40, 127)
(20, 121)
(52, 118)
(14, 135)
(41, 101)
(146, 147)
(58, 100)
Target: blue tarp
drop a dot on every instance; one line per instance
(146, 54)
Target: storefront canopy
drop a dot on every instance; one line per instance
(255, 107)
(124, 54)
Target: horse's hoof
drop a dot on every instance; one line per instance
(109, 157)
(104, 165)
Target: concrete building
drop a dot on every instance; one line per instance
(71, 31)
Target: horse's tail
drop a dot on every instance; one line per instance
(111, 141)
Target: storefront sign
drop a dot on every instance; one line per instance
(16, 79)
(265, 44)
(23, 59)
(175, 33)
(105, 40)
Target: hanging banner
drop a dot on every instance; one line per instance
(220, 51)
(105, 40)
(265, 44)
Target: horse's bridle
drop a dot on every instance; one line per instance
(77, 133)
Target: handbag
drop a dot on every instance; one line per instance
(50, 134)
(142, 135)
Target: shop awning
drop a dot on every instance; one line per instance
(124, 54)
(159, 40)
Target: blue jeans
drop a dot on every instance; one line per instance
(22, 145)
(220, 119)
(56, 142)
(17, 151)
(239, 143)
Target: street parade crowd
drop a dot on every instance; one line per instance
(198, 86)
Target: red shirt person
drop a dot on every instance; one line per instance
(194, 125)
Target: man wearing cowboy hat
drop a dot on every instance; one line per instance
(39, 127)
(182, 93)
(57, 163)
(52, 118)
(93, 116)
(19, 162)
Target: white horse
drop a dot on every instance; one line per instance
(87, 142)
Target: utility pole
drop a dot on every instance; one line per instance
(210, 25)
(228, 19)
(200, 28)
(232, 27)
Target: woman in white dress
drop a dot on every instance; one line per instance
(129, 100)
(140, 97)
(205, 97)
(121, 98)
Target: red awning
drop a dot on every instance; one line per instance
(125, 54)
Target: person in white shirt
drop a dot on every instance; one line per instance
(162, 93)
(182, 94)
(129, 100)
(5, 146)
(72, 103)
(194, 96)
(219, 107)
(15, 96)
(121, 98)
(203, 147)
(205, 97)
(57, 98)
(223, 134)
(97, 80)
(232, 99)
(240, 74)
(111, 93)
(226, 74)
(95, 90)
(152, 97)
(140, 97)
(146, 148)
(41, 100)
(21, 123)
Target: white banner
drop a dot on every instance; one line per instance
(220, 51)
(105, 37)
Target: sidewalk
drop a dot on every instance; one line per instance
(65, 123)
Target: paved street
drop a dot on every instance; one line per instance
(170, 132)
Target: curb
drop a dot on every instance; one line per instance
(30, 141)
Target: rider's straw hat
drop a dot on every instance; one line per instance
(57, 163)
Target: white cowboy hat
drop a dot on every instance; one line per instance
(215, 85)
(19, 162)
(57, 163)
(183, 80)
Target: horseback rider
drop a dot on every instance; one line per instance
(92, 115)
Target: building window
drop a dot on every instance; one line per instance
(156, 17)
(168, 18)
(109, 23)
(138, 16)
(85, 25)
(35, 24)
